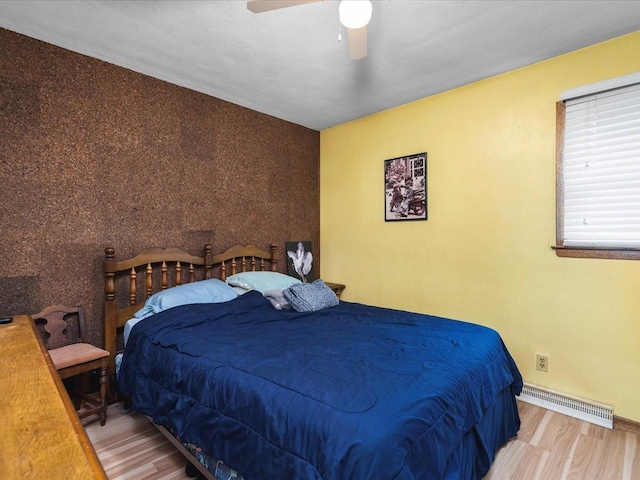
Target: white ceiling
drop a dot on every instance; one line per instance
(288, 63)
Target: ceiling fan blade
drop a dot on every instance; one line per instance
(357, 42)
(259, 6)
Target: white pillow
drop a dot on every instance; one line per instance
(262, 281)
(240, 290)
(204, 291)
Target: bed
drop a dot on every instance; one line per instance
(349, 391)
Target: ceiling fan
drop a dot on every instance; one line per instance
(354, 15)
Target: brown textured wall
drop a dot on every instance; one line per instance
(92, 155)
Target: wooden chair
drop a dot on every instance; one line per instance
(72, 356)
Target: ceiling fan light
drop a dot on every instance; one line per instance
(355, 13)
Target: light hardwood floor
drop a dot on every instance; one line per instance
(549, 446)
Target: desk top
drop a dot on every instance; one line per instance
(41, 436)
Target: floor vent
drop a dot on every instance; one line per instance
(586, 410)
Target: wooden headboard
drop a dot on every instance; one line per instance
(128, 283)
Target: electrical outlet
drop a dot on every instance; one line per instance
(542, 362)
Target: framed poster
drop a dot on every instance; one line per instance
(405, 188)
(300, 261)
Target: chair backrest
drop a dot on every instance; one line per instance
(60, 325)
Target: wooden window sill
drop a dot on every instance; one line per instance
(604, 253)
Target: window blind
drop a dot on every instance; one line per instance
(601, 169)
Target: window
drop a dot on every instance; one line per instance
(598, 170)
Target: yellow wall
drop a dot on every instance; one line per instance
(484, 254)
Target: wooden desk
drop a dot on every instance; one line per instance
(41, 436)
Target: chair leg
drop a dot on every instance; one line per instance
(77, 401)
(82, 385)
(103, 394)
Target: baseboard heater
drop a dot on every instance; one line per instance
(592, 412)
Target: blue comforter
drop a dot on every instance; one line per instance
(351, 392)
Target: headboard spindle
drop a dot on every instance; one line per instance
(178, 274)
(132, 287)
(149, 281)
